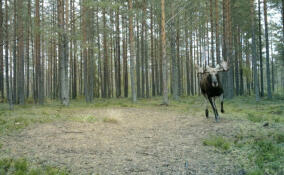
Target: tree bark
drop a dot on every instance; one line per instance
(164, 56)
(106, 69)
(217, 31)
(260, 51)
(132, 71)
(63, 57)
(268, 79)
(1, 53)
(255, 76)
(175, 76)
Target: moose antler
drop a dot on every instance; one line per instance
(222, 67)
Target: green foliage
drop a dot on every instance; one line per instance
(23, 167)
(218, 142)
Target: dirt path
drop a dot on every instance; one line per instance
(143, 141)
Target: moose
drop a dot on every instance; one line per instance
(211, 86)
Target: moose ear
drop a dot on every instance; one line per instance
(222, 67)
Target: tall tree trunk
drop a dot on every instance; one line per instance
(260, 51)
(179, 60)
(146, 62)
(152, 53)
(28, 51)
(138, 69)
(21, 56)
(237, 53)
(192, 75)
(272, 68)
(1, 53)
(188, 84)
(74, 67)
(255, 76)
(164, 55)
(117, 59)
(37, 54)
(241, 64)
(212, 33)
(8, 82)
(143, 57)
(99, 55)
(132, 71)
(106, 67)
(125, 65)
(217, 31)
(63, 57)
(14, 96)
(248, 75)
(269, 93)
(175, 75)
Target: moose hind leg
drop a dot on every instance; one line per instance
(222, 101)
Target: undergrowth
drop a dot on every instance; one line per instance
(23, 167)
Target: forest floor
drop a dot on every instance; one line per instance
(118, 137)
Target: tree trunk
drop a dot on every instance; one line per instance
(152, 53)
(217, 31)
(164, 56)
(188, 84)
(143, 57)
(125, 65)
(37, 54)
(212, 33)
(8, 82)
(14, 96)
(1, 53)
(175, 76)
(254, 61)
(117, 59)
(63, 54)
(21, 56)
(138, 61)
(260, 51)
(269, 93)
(106, 72)
(132, 71)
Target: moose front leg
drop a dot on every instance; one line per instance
(206, 107)
(222, 101)
(212, 102)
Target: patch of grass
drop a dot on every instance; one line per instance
(268, 156)
(254, 118)
(23, 167)
(110, 120)
(218, 142)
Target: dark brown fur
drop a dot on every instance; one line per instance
(210, 92)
